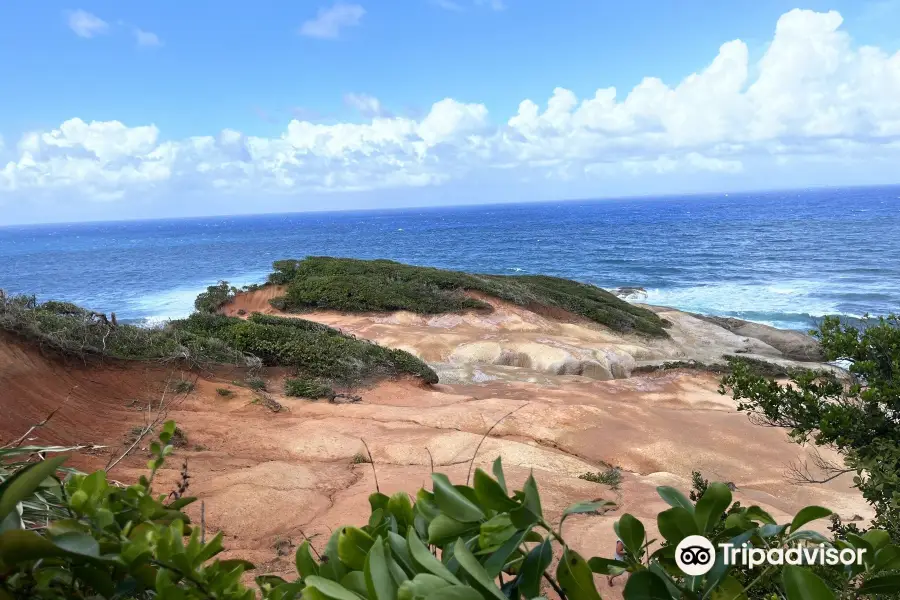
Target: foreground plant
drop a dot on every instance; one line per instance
(455, 542)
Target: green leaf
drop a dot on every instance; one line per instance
(715, 501)
(575, 577)
(78, 543)
(606, 566)
(807, 514)
(802, 584)
(355, 581)
(379, 582)
(498, 559)
(536, 562)
(306, 564)
(631, 532)
(885, 584)
(454, 592)
(755, 513)
(675, 524)
(332, 568)
(24, 482)
(877, 538)
(498, 473)
(425, 560)
(584, 507)
(330, 589)
(495, 531)
(353, 546)
(400, 551)
(645, 585)
(378, 500)
(400, 506)
(888, 558)
(444, 529)
(729, 589)
(491, 494)
(530, 512)
(452, 502)
(475, 572)
(420, 586)
(673, 497)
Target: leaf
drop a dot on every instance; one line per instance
(536, 562)
(23, 483)
(530, 512)
(802, 584)
(755, 513)
(498, 473)
(877, 538)
(631, 532)
(475, 572)
(378, 500)
(306, 564)
(353, 546)
(420, 586)
(400, 551)
(495, 531)
(729, 589)
(645, 585)
(675, 524)
(715, 501)
(425, 559)
(455, 592)
(575, 577)
(400, 506)
(884, 584)
(355, 581)
(606, 566)
(888, 558)
(584, 507)
(333, 569)
(444, 529)
(491, 494)
(807, 514)
(452, 502)
(379, 583)
(78, 543)
(673, 497)
(330, 589)
(498, 559)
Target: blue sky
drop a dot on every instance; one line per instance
(149, 82)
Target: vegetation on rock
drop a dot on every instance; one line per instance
(307, 388)
(352, 285)
(859, 419)
(455, 542)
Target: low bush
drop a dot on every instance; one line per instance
(611, 476)
(454, 542)
(183, 386)
(257, 384)
(352, 285)
(214, 297)
(224, 392)
(307, 388)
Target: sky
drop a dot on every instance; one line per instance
(119, 110)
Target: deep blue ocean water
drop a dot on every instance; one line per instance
(782, 258)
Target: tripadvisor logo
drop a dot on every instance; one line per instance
(695, 555)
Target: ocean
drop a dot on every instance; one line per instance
(782, 258)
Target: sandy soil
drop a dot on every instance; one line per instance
(267, 479)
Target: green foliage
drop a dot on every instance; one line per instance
(224, 392)
(611, 476)
(214, 297)
(314, 350)
(352, 285)
(858, 419)
(455, 542)
(75, 331)
(307, 388)
(257, 384)
(183, 386)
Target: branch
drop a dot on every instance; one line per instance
(487, 433)
(24, 436)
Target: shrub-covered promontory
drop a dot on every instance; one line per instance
(352, 285)
(314, 351)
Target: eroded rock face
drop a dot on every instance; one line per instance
(464, 344)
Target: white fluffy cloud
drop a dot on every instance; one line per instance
(86, 25)
(815, 97)
(146, 38)
(329, 21)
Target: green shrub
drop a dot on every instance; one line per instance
(307, 388)
(214, 297)
(352, 285)
(454, 542)
(224, 392)
(183, 386)
(256, 384)
(360, 459)
(611, 476)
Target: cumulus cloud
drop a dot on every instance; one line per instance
(815, 97)
(330, 21)
(86, 25)
(146, 38)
